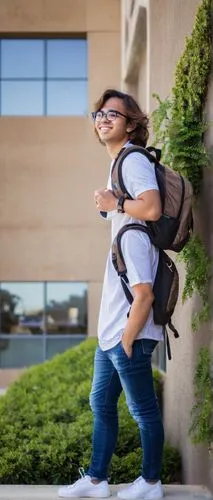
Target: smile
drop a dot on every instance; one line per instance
(104, 127)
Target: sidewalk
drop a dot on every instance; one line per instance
(172, 492)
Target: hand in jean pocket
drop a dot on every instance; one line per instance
(127, 346)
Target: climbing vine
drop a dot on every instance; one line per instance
(179, 125)
(202, 428)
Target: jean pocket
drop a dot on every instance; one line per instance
(148, 346)
(123, 352)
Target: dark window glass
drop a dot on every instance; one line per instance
(22, 98)
(22, 59)
(18, 352)
(22, 308)
(66, 308)
(66, 59)
(58, 345)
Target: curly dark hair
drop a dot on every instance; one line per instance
(135, 116)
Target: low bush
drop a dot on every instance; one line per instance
(46, 425)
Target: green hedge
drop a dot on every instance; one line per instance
(46, 425)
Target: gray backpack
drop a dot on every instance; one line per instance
(173, 229)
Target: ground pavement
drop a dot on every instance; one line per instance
(172, 492)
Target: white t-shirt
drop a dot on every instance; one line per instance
(141, 259)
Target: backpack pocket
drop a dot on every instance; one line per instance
(165, 289)
(162, 232)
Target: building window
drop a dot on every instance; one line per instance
(43, 77)
(38, 320)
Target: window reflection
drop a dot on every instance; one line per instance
(39, 320)
(22, 308)
(37, 308)
(66, 310)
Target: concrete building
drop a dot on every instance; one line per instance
(51, 164)
(53, 244)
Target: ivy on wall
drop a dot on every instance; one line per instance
(179, 126)
(202, 428)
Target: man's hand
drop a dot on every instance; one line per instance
(139, 313)
(127, 346)
(105, 200)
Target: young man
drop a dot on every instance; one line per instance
(123, 357)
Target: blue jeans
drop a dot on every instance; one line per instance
(114, 372)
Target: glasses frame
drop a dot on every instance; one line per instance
(117, 113)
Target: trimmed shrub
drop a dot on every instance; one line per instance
(46, 425)
(128, 467)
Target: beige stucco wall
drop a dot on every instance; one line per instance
(168, 23)
(50, 166)
(66, 16)
(47, 216)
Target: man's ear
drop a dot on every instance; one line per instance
(130, 127)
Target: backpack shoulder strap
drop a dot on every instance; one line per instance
(155, 151)
(118, 258)
(117, 254)
(118, 186)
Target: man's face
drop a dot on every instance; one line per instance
(112, 131)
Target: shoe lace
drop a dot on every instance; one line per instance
(81, 471)
(82, 474)
(138, 481)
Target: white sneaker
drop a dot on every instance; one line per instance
(85, 488)
(140, 489)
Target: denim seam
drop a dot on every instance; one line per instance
(110, 380)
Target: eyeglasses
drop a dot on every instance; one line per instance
(110, 115)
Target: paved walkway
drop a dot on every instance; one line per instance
(172, 492)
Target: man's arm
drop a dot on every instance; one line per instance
(147, 206)
(140, 309)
